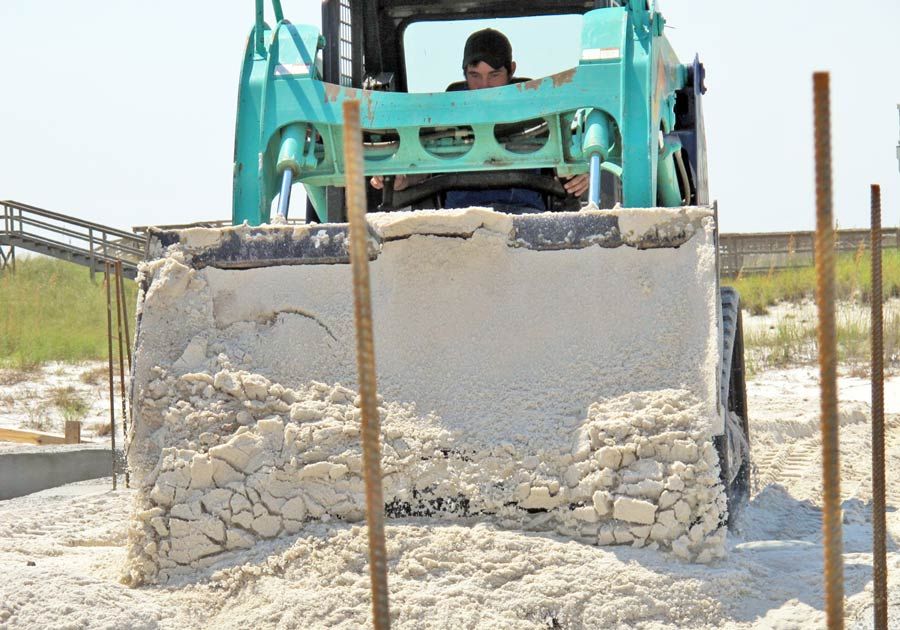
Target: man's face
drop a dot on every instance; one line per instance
(482, 75)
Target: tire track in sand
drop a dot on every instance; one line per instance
(892, 461)
(789, 464)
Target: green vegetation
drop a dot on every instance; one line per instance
(791, 338)
(100, 429)
(51, 311)
(98, 375)
(853, 277)
(69, 402)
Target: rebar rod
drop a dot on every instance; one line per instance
(107, 278)
(119, 318)
(128, 351)
(879, 545)
(124, 313)
(365, 361)
(831, 490)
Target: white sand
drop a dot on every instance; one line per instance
(26, 401)
(476, 575)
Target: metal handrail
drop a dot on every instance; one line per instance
(27, 226)
(68, 219)
(98, 256)
(138, 252)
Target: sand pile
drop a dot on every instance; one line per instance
(257, 460)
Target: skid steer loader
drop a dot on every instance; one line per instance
(578, 370)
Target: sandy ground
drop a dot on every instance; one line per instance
(30, 400)
(61, 552)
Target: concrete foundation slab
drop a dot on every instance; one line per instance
(26, 472)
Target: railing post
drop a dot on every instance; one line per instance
(5, 258)
(91, 249)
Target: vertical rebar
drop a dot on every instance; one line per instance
(879, 548)
(112, 405)
(831, 517)
(365, 361)
(119, 304)
(124, 313)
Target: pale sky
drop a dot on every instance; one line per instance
(123, 112)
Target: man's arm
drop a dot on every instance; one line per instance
(401, 182)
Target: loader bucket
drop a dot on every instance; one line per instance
(548, 372)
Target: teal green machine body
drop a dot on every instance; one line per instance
(629, 104)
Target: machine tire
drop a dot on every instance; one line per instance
(737, 484)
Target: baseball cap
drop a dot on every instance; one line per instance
(489, 46)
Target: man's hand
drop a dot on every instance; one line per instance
(400, 182)
(575, 184)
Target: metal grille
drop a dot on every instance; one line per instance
(346, 45)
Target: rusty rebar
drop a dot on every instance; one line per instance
(365, 362)
(128, 340)
(119, 320)
(831, 491)
(107, 278)
(124, 313)
(879, 544)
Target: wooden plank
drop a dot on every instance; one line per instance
(30, 437)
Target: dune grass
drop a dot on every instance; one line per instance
(853, 279)
(791, 340)
(51, 311)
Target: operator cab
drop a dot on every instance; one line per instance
(369, 44)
